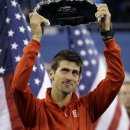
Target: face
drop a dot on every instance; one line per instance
(66, 77)
(124, 96)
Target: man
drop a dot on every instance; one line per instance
(62, 109)
(124, 94)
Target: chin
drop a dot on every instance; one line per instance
(67, 91)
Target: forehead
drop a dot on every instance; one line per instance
(69, 65)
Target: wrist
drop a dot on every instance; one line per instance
(37, 38)
(106, 35)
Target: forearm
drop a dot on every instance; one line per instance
(115, 68)
(24, 67)
(107, 89)
(22, 93)
(110, 86)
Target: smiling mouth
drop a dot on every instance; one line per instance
(68, 84)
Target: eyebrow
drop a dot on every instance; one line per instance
(74, 70)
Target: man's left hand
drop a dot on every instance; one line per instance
(104, 17)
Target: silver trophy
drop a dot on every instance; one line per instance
(68, 12)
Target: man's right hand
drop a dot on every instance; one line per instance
(36, 23)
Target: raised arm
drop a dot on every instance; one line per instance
(22, 94)
(98, 100)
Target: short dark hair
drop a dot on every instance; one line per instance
(68, 55)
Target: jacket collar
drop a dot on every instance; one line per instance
(51, 103)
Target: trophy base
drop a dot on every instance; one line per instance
(68, 12)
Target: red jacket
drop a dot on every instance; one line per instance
(80, 113)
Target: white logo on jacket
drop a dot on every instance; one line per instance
(75, 113)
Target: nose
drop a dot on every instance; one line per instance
(69, 76)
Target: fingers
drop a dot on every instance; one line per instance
(36, 18)
(104, 17)
(30, 15)
(102, 10)
(37, 23)
(43, 20)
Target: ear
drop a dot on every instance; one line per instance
(51, 74)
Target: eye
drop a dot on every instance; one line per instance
(75, 73)
(64, 70)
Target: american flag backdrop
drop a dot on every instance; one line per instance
(14, 35)
(115, 117)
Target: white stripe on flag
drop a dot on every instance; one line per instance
(124, 120)
(105, 120)
(46, 83)
(4, 113)
(101, 72)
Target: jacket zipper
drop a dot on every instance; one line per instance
(68, 124)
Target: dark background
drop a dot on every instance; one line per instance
(55, 38)
(120, 9)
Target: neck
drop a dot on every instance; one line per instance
(60, 98)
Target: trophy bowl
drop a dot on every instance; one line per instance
(68, 12)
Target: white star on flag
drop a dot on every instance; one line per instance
(87, 41)
(22, 29)
(41, 67)
(88, 73)
(39, 55)
(10, 33)
(80, 42)
(14, 3)
(82, 87)
(18, 16)
(29, 29)
(77, 32)
(37, 81)
(93, 62)
(34, 68)
(26, 42)
(2, 70)
(17, 58)
(24, 17)
(86, 32)
(83, 52)
(7, 20)
(0, 51)
(14, 46)
(85, 63)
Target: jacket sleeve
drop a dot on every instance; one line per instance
(20, 89)
(98, 100)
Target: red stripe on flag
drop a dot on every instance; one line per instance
(129, 126)
(116, 118)
(14, 117)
